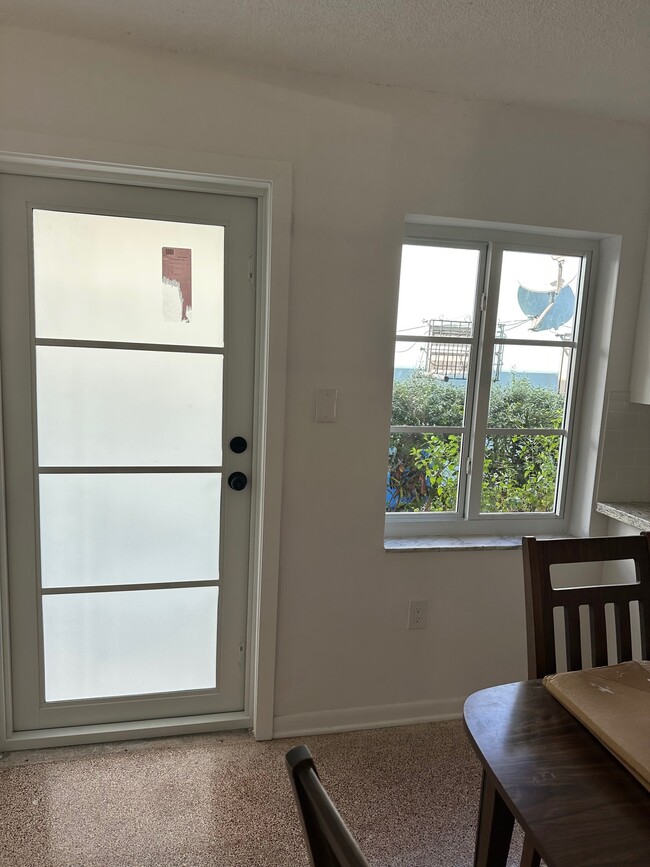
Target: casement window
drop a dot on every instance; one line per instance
(490, 328)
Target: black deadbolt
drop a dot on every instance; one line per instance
(238, 445)
(237, 481)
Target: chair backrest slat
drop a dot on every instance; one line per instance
(644, 622)
(542, 598)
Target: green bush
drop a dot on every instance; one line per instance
(519, 472)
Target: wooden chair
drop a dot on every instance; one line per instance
(328, 839)
(541, 600)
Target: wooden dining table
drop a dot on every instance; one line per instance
(578, 806)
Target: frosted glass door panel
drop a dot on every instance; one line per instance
(129, 529)
(105, 407)
(129, 643)
(102, 278)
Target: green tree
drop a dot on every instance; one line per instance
(519, 472)
(421, 399)
(423, 469)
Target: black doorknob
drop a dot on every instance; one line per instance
(237, 481)
(238, 445)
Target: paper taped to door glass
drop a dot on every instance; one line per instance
(177, 284)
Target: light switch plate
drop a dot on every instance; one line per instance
(326, 399)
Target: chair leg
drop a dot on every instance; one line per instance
(530, 857)
(494, 832)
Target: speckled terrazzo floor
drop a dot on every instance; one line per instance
(409, 795)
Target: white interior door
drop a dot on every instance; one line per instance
(127, 340)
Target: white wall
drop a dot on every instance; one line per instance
(363, 157)
(640, 381)
(625, 467)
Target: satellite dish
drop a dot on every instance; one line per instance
(547, 307)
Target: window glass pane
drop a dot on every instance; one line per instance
(119, 278)
(520, 473)
(531, 387)
(129, 529)
(129, 642)
(537, 296)
(424, 399)
(105, 407)
(437, 290)
(423, 472)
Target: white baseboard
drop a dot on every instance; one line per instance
(374, 717)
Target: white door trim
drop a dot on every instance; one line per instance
(269, 182)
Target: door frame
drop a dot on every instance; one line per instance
(270, 183)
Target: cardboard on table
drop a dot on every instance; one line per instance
(613, 702)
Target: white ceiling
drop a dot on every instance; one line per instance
(582, 55)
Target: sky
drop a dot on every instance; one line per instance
(441, 283)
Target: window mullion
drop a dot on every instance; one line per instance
(484, 379)
(570, 407)
(527, 431)
(466, 457)
(423, 428)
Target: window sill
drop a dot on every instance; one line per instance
(453, 543)
(463, 543)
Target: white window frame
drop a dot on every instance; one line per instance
(467, 521)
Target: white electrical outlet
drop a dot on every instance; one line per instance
(418, 614)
